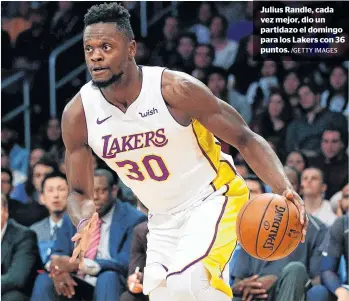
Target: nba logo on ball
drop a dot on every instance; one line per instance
(268, 227)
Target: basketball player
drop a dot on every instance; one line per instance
(156, 128)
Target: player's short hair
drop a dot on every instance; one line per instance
(55, 174)
(110, 13)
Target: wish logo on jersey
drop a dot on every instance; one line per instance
(148, 113)
(113, 146)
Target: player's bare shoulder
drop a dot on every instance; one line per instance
(74, 130)
(179, 85)
(186, 93)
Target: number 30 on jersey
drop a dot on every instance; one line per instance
(154, 165)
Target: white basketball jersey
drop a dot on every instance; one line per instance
(168, 166)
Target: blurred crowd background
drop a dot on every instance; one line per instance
(300, 108)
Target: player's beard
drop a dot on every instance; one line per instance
(106, 83)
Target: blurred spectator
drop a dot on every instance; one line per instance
(201, 27)
(65, 22)
(304, 134)
(29, 192)
(18, 156)
(6, 51)
(5, 160)
(297, 160)
(106, 261)
(258, 93)
(18, 21)
(225, 50)
(164, 52)
(203, 58)
(217, 82)
(294, 177)
(142, 53)
(312, 190)
(246, 70)
(285, 279)
(255, 186)
(54, 196)
(276, 117)
(336, 97)
(291, 82)
(185, 52)
(20, 258)
(333, 160)
(35, 155)
(241, 168)
(6, 181)
(51, 140)
(33, 45)
(137, 260)
(343, 203)
(335, 246)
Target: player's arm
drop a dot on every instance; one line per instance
(186, 94)
(78, 160)
(191, 96)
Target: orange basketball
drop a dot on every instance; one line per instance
(268, 227)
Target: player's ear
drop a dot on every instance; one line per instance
(132, 49)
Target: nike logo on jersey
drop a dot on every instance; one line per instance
(101, 121)
(149, 112)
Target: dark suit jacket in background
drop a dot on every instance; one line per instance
(20, 259)
(139, 248)
(124, 219)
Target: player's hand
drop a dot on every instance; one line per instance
(134, 283)
(250, 287)
(293, 196)
(64, 285)
(82, 239)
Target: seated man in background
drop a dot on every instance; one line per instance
(54, 196)
(334, 247)
(313, 188)
(285, 279)
(20, 258)
(103, 276)
(137, 262)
